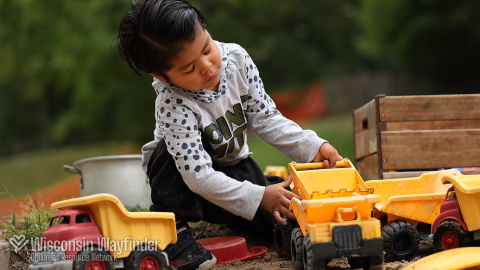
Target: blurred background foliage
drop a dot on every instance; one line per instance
(62, 83)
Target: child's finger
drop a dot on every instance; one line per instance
(285, 211)
(287, 182)
(290, 215)
(289, 195)
(276, 215)
(333, 161)
(326, 164)
(339, 158)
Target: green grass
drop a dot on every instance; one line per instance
(26, 173)
(336, 129)
(32, 224)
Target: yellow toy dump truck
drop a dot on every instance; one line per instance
(333, 217)
(97, 232)
(404, 204)
(458, 224)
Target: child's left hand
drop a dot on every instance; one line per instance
(330, 154)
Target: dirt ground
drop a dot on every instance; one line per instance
(271, 260)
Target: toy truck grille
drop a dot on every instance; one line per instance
(347, 237)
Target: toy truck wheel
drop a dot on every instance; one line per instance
(93, 258)
(449, 235)
(146, 260)
(309, 260)
(400, 240)
(282, 238)
(297, 248)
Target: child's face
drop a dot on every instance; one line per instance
(198, 65)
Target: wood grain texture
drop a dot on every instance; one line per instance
(365, 128)
(433, 125)
(368, 167)
(403, 150)
(407, 174)
(429, 108)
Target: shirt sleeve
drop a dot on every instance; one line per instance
(270, 125)
(179, 125)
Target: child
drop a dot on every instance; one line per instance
(207, 91)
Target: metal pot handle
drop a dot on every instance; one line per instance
(76, 171)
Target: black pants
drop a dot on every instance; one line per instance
(171, 194)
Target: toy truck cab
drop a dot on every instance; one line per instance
(458, 224)
(72, 226)
(97, 232)
(334, 217)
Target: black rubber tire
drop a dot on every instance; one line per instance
(400, 240)
(133, 261)
(464, 238)
(309, 261)
(83, 258)
(282, 236)
(297, 248)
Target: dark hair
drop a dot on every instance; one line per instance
(154, 32)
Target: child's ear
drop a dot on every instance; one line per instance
(158, 76)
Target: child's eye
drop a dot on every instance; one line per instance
(189, 72)
(208, 52)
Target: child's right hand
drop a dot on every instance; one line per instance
(276, 200)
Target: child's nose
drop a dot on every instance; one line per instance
(206, 65)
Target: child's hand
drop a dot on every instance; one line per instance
(330, 154)
(276, 200)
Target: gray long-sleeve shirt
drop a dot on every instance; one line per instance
(182, 116)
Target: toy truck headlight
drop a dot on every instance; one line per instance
(48, 254)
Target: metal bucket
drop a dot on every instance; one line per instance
(120, 175)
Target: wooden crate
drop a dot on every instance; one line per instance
(408, 134)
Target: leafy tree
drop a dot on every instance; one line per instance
(292, 42)
(60, 83)
(433, 37)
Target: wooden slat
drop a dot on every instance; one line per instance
(429, 108)
(365, 126)
(368, 167)
(404, 150)
(381, 127)
(407, 174)
(433, 125)
(398, 175)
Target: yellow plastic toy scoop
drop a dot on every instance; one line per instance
(458, 258)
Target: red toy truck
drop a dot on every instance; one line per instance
(458, 224)
(97, 232)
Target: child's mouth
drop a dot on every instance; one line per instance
(213, 76)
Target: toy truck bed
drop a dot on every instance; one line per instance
(116, 223)
(415, 200)
(335, 211)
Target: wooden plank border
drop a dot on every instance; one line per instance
(433, 125)
(365, 130)
(408, 174)
(368, 167)
(430, 108)
(381, 127)
(429, 149)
